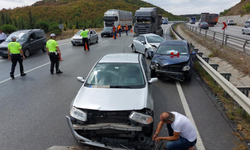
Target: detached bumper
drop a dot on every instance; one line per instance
(84, 140)
(174, 75)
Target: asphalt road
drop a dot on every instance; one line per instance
(33, 108)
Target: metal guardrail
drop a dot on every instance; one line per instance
(231, 90)
(231, 40)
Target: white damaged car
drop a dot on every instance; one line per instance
(114, 108)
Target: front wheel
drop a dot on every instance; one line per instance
(242, 31)
(96, 40)
(133, 49)
(44, 48)
(26, 52)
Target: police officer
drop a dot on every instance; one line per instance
(84, 35)
(53, 51)
(14, 51)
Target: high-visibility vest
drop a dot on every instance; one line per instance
(126, 28)
(119, 27)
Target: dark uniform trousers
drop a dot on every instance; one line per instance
(16, 58)
(54, 59)
(85, 41)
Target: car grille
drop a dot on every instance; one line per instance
(172, 68)
(3, 48)
(108, 117)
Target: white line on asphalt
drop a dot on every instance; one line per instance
(199, 144)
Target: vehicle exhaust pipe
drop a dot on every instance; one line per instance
(142, 138)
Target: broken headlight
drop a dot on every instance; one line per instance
(78, 114)
(141, 118)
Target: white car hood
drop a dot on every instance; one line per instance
(155, 44)
(110, 99)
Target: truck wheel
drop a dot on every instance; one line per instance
(26, 52)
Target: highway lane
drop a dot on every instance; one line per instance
(230, 30)
(33, 108)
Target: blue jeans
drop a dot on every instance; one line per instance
(180, 144)
(114, 35)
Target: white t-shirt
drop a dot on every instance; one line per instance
(2, 36)
(183, 125)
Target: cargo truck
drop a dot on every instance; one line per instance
(211, 19)
(147, 20)
(116, 17)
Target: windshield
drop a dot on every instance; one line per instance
(172, 49)
(79, 32)
(110, 18)
(107, 29)
(143, 19)
(116, 75)
(20, 36)
(154, 39)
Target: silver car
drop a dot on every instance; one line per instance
(245, 30)
(92, 37)
(146, 44)
(114, 107)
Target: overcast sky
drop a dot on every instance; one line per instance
(176, 7)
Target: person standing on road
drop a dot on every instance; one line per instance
(126, 29)
(182, 133)
(85, 41)
(2, 36)
(114, 31)
(119, 28)
(14, 51)
(53, 51)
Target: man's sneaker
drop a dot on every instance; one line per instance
(59, 72)
(23, 74)
(12, 76)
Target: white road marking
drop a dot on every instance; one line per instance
(199, 144)
(39, 66)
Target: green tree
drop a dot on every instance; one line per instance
(43, 25)
(8, 28)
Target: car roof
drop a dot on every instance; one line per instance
(120, 58)
(174, 42)
(149, 34)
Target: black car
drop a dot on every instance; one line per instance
(203, 25)
(173, 59)
(107, 31)
(31, 41)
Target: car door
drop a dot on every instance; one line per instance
(142, 44)
(95, 35)
(32, 43)
(136, 43)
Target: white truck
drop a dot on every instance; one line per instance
(116, 17)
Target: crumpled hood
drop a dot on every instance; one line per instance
(155, 44)
(77, 37)
(169, 60)
(106, 99)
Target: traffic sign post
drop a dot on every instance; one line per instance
(224, 29)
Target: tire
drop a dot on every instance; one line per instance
(44, 48)
(26, 52)
(146, 54)
(73, 44)
(96, 40)
(101, 35)
(242, 31)
(133, 49)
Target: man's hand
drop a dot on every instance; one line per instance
(158, 139)
(9, 57)
(23, 57)
(154, 137)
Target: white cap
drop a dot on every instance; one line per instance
(52, 34)
(13, 37)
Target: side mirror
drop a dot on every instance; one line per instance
(80, 79)
(152, 80)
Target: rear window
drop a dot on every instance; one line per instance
(40, 34)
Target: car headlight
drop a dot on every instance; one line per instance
(186, 68)
(141, 118)
(152, 48)
(78, 114)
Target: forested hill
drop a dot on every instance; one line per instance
(82, 13)
(242, 8)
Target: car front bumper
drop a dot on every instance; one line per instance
(87, 141)
(173, 75)
(3, 53)
(78, 41)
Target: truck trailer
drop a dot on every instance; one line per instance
(147, 20)
(211, 19)
(116, 17)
